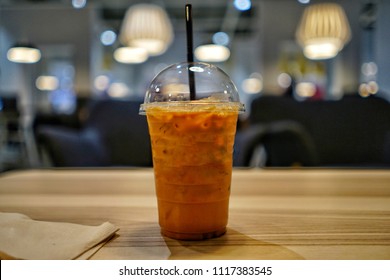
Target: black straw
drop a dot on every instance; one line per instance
(190, 52)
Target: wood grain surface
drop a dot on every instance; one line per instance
(274, 214)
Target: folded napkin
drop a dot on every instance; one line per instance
(24, 238)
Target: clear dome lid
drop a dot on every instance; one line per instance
(193, 84)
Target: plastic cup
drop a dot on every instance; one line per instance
(192, 147)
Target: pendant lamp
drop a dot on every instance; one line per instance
(323, 31)
(147, 26)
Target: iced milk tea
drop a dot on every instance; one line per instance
(192, 150)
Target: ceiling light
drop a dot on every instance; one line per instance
(252, 85)
(147, 26)
(130, 55)
(212, 53)
(323, 30)
(24, 53)
(47, 83)
(305, 89)
(118, 90)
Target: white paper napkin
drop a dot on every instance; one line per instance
(24, 238)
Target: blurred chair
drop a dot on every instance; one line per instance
(114, 134)
(277, 144)
(13, 149)
(350, 132)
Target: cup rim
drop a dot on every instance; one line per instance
(195, 106)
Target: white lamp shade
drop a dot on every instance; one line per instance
(130, 55)
(323, 30)
(147, 26)
(212, 53)
(24, 54)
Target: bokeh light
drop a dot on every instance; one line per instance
(242, 5)
(108, 37)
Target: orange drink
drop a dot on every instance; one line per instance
(192, 110)
(192, 150)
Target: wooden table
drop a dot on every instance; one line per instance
(274, 214)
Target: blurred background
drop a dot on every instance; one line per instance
(330, 107)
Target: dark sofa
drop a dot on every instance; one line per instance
(353, 131)
(113, 134)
